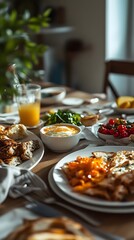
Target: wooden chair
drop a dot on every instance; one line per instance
(121, 67)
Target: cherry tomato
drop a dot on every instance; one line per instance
(116, 134)
(112, 131)
(117, 120)
(103, 130)
(111, 121)
(121, 128)
(131, 130)
(124, 134)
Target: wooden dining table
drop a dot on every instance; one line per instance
(117, 223)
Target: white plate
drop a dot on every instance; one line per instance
(37, 154)
(8, 110)
(86, 109)
(84, 205)
(122, 110)
(72, 101)
(104, 108)
(8, 114)
(62, 182)
(80, 111)
(130, 118)
(9, 119)
(39, 125)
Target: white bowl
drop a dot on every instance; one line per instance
(52, 95)
(107, 137)
(55, 139)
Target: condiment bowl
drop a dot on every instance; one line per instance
(60, 137)
(52, 95)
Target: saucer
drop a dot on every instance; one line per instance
(40, 124)
(72, 101)
(36, 129)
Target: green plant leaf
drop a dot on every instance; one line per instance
(47, 12)
(13, 16)
(17, 44)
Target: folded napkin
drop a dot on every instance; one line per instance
(87, 134)
(13, 119)
(9, 176)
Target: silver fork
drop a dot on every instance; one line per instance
(32, 183)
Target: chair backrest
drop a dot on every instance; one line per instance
(116, 67)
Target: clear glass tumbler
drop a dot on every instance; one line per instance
(28, 98)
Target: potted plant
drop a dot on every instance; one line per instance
(18, 45)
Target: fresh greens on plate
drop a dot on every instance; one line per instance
(62, 116)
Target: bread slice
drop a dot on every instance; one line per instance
(26, 149)
(89, 120)
(14, 153)
(13, 161)
(15, 131)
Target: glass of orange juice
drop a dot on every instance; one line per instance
(28, 99)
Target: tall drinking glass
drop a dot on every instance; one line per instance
(28, 97)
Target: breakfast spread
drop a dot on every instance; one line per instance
(13, 149)
(107, 175)
(61, 228)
